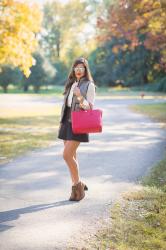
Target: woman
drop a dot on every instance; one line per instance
(79, 94)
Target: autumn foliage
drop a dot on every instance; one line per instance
(19, 23)
(138, 22)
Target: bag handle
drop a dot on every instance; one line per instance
(91, 105)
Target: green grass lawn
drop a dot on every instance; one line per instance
(127, 91)
(155, 111)
(100, 91)
(25, 128)
(55, 90)
(138, 219)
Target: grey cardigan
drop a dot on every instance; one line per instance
(83, 86)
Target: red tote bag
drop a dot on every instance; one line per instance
(86, 121)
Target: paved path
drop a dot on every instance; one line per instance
(35, 212)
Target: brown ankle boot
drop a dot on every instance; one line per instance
(85, 186)
(79, 192)
(73, 194)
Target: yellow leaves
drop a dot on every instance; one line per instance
(147, 15)
(156, 66)
(164, 52)
(155, 25)
(27, 72)
(124, 47)
(156, 5)
(7, 3)
(143, 2)
(163, 56)
(115, 50)
(163, 14)
(19, 21)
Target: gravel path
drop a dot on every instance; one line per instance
(35, 213)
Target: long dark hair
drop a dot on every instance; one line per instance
(72, 78)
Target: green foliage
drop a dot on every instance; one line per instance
(9, 75)
(157, 86)
(61, 40)
(61, 73)
(98, 65)
(131, 68)
(134, 32)
(63, 25)
(38, 75)
(139, 22)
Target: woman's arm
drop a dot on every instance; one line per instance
(88, 102)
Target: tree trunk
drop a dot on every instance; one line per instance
(145, 79)
(58, 49)
(36, 88)
(25, 88)
(5, 88)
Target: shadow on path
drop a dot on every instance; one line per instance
(15, 213)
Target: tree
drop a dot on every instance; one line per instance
(63, 25)
(61, 73)
(38, 76)
(129, 67)
(19, 24)
(139, 22)
(9, 75)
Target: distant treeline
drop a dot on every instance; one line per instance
(126, 46)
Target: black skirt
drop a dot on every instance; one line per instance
(65, 131)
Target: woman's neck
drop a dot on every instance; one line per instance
(78, 78)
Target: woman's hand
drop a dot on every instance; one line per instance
(88, 105)
(76, 91)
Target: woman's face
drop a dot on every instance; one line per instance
(79, 70)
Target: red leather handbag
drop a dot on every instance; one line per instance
(86, 121)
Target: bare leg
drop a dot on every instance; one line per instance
(75, 154)
(64, 141)
(69, 155)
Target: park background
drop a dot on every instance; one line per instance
(124, 42)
